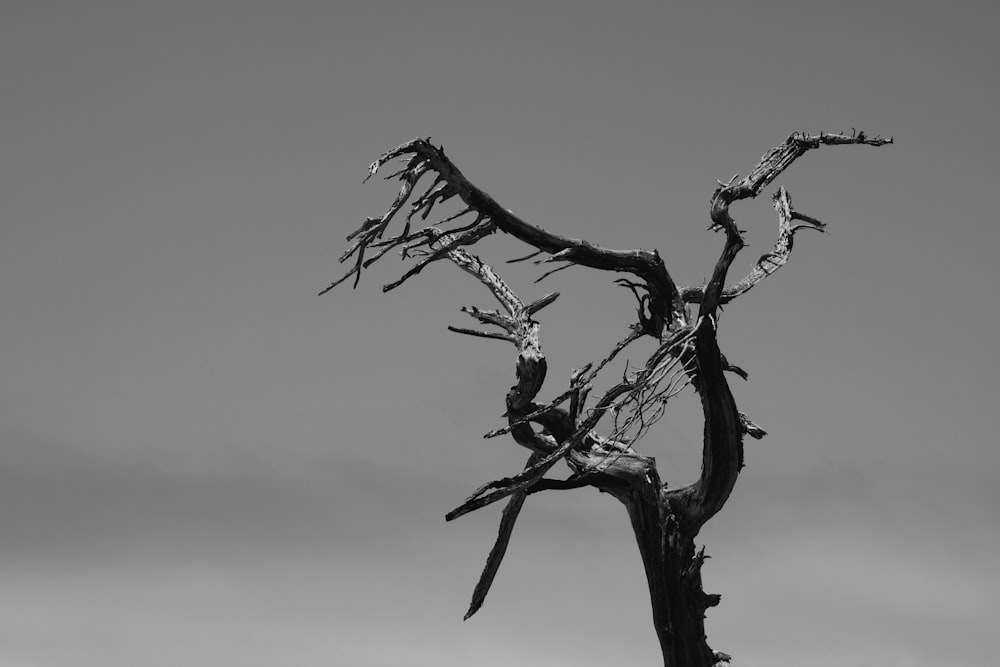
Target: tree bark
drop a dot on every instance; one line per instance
(673, 575)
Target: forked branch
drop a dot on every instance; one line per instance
(771, 165)
(722, 453)
(771, 261)
(520, 329)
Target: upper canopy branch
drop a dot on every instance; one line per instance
(665, 303)
(771, 261)
(771, 165)
(779, 158)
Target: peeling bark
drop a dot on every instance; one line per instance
(665, 522)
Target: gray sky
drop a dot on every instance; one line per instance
(205, 464)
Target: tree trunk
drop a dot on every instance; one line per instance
(673, 575)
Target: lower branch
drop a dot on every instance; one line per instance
(510, 513)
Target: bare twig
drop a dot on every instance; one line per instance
(530, 255)
(483, 334)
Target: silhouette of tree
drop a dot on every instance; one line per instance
(665, 521)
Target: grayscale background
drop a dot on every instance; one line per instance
(204, 464)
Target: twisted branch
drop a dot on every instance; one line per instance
(771, 165)
(722, 453)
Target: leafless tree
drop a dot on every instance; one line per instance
(665, 521)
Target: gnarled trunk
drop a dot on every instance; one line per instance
(673, 576)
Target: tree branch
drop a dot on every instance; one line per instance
(523, 331)
(722, 454)
(507, 521)
(482, 334)
(665, 302)
(574, 482)
(580, 380)
(769, 262)
(771, 165)
(531, 369)
(782, 156)
(500, 489)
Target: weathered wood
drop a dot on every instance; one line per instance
(665, 522)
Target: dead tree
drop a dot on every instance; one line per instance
(665, 521)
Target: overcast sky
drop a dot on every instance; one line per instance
(205, 464)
